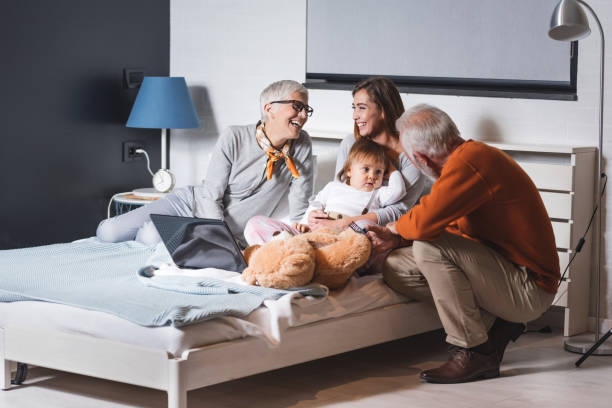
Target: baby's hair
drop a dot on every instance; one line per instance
(364, 149)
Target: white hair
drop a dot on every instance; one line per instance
(279, 90)
(427, 130)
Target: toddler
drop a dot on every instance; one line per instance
(357, 191)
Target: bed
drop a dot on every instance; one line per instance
(285, 331)
(180, 360)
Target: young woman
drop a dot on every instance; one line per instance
(376, 106)
(252, 168)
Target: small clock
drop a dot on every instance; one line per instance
(163, 180)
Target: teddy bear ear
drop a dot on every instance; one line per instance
(298, 264)
(248, 275)
(249, 252)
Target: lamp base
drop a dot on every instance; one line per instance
(583, 342)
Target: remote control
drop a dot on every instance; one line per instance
(356, 228)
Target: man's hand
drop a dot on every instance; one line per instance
(383, 239)
(391, 227)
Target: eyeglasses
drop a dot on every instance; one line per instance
(297, 106)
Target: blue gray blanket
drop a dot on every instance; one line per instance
(103, 276)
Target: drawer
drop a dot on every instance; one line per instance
(564, 258)
(563, 234)
(548, 176)
(558, 205)
(561, 296)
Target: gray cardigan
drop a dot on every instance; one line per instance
(236, 188)
(416, 183)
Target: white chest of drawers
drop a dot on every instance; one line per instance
(565, 177)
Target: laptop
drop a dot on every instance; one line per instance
(197, 243)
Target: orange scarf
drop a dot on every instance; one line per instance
(274, 154)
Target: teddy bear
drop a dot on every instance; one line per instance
(280, 264)
(338, 255)
(322, 256)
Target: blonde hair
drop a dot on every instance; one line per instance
(364, 149)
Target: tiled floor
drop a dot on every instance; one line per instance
(537, 372)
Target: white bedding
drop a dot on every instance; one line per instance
(267, 322)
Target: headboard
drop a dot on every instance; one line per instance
(565, 177)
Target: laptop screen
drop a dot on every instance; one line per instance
(197, 243)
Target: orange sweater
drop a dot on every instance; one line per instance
(484, 195)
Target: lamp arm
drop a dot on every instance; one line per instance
(599, 166)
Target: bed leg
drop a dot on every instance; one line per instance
(177, 394)
(5, 375)
(5, 366)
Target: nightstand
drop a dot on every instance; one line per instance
(128, 202)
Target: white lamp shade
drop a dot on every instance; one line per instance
(568, 22)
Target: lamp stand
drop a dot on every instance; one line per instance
(164, 148)
(582, 344)
(595, 348)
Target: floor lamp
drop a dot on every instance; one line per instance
(570, 23)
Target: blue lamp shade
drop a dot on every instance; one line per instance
(163, 103)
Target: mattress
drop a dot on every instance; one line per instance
(267, 322)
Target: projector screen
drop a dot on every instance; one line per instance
(471, 44)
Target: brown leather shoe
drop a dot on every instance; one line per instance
(502, 332)
(464, 365)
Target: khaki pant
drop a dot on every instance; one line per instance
(469, 283)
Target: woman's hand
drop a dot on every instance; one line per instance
(319, 219)
(335, 225)
(315, 216)
(383, 239)
(302, 228)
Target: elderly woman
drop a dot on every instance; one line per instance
(251, 169)
(376, 106)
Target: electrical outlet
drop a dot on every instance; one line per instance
(129, 151)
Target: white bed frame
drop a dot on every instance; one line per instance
(211, 364)
(562, 173)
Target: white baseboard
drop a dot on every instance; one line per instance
(554, 317)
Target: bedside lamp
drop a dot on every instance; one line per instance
(163, 103)
(570, 23)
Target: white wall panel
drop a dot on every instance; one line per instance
(229, 50)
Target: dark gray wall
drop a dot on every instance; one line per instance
(63, 108)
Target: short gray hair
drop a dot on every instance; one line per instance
(427, 130)
(279, 90)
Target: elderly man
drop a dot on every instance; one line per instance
(480, 246)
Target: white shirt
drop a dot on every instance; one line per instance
(341, 198)
(416, 183)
